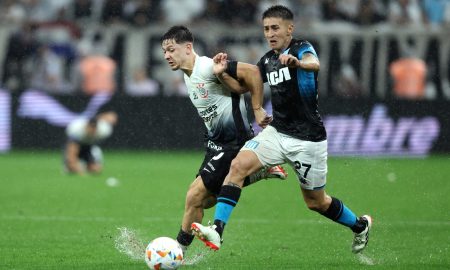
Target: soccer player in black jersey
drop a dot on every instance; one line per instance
(296, 135)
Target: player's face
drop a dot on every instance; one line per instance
(174, 53)
(278, 32)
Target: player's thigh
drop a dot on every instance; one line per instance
(266, 146)
(309, 161)
(214, 169)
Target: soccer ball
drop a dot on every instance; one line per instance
(163, 253)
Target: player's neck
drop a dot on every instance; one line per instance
(188, 67)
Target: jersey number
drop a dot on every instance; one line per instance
(298, 166)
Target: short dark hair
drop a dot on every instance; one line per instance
(179, 33)
(278, 11)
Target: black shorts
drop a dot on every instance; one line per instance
(215, 167)
(86, 154)
(89, 154)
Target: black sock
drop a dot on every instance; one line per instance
(220, 226)
(334, 211)
(359, 226)
(184, 238)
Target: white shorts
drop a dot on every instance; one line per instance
(308, 159)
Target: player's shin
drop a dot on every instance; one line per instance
(226, 201)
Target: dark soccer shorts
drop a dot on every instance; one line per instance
(215, 168)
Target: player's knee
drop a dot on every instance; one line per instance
(238, 168)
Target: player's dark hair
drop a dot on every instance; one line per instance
(278, 11)
(179, 33)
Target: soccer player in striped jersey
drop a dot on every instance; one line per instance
(296, 135)
(224, 114)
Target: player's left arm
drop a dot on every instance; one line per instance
(242, 77)
(308, 61)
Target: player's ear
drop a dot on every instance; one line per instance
(290, 28)
(189, 47)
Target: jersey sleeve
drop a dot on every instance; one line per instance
(262, 69)
(232, 69)
(305, 47)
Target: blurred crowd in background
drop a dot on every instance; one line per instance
(48, 49)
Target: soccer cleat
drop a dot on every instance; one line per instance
(361, 239)
(275, 172)
(207, 234)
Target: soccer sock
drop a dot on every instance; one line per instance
(184, 238)
(226, 201)
(338, 212)
(254, 177)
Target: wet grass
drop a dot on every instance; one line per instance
(49, 220)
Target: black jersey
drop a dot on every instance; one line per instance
(294, 94)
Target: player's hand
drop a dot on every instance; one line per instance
(261, 117)
(289, 60)
(220, 63)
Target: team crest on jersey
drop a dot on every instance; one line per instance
(201, 90)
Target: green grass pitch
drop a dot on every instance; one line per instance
(49, 220)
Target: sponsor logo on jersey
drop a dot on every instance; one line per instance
(278, 76)
(203, 93)
(214, 146)
(209, 113)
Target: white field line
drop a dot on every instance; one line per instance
(237, 220)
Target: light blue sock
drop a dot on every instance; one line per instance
(223, 211)
(347, 218)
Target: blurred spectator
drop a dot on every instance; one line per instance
(348, 85)
(182, 11)
(113, 11)
(12, 12)
(21, 46)
(308, 11)
(331, 11)
(82, 9)
(405, 12)
(367, 14)
(176, 86)
(409, 77)
(142, 12)
(435, 11)
(349, 7)
(44, 10)
(212, 12)
(241, 11)
(96, 70)
(141, 84)
(49, 72)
